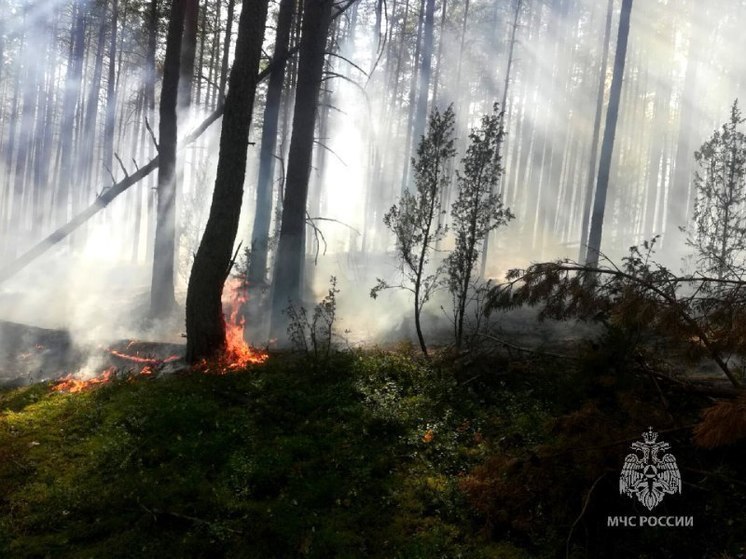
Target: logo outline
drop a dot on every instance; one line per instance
(647, 476)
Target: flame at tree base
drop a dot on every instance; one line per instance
(237, 354)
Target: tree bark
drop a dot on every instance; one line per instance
(162, 300)
(226, 48)
(596, 133)
(425, 73)
(263, 215)
(69, 110)
(607, 147)
(188, 53)
(111, 92)
(289, 262)
(204, 313)
(509, 67)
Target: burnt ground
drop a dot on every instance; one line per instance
(30, 354)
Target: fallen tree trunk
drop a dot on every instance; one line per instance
(102, 200)
(109, 193)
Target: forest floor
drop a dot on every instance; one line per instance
(369, 453)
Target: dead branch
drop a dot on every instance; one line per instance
(121, 164)
(152, 135)
(528, 350)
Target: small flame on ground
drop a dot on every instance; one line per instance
(238, 353)
(72, 384)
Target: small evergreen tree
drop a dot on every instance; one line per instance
(414, 222)
(476, 211)
(718, 232)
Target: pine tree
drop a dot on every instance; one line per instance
(718, 231)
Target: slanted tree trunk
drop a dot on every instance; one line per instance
(289, 261)
(596, 133)
(162, 300)
(204, 313)
(607, 147)
(263, 215)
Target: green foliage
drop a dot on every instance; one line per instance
(315, 336)
(415, 221)
(477, 211)
(718, 232)
(374, 454)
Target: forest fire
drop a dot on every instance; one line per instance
(238, 354)
(73, 385)
(132, 364)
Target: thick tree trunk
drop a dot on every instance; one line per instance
(263, 215)
(204, 313)
(607, 147)
(162, 300)
(289, 262)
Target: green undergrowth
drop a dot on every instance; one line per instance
(369, 454)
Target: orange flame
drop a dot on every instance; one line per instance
(73, 385)
(238, 354)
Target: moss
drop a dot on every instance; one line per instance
(377, 454)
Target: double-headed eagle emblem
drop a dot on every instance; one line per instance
(649, 477)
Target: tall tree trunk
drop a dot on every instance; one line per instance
(226, 49)
(204, 313)
(88, 144)
(412, 98)
(596, 133)
(162, 300)
(69, 111)
(607, 148)
(263, 215)
(679, 198)
(188, 53)
(111, 90)
(202, 38)
(290, 255)
(508, 68)
(425, 73)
